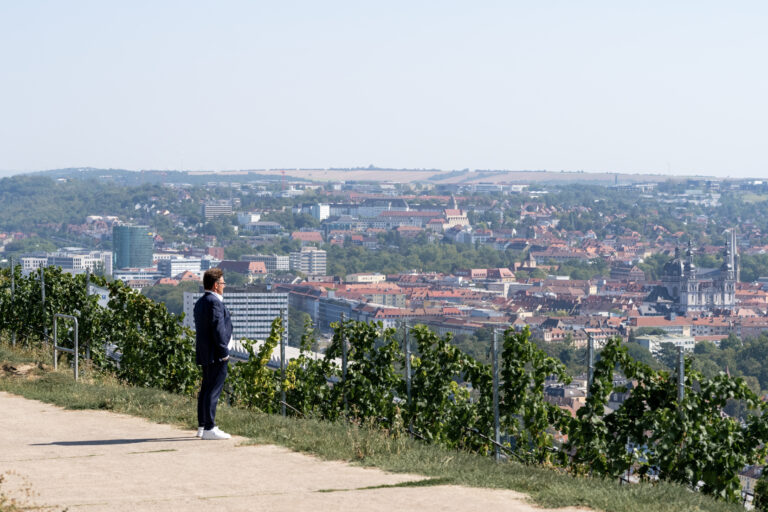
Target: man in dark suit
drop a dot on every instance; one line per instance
(213, 331)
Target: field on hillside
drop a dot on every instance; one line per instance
(411, 175)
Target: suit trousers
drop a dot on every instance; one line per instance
(214, 375)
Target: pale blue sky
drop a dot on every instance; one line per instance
(621, 86)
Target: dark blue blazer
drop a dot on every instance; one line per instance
(213, 329)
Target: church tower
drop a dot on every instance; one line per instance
(730, 272)
(693, 289)
(690, 296)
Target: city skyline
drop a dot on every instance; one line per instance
(598, 87)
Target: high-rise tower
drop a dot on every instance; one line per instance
(132, 246)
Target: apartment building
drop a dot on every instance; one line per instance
(272, 262)
(310, 261)
(213, 209)
(253, 308)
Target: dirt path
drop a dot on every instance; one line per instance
(96, 460)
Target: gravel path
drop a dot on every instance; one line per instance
(97, 460)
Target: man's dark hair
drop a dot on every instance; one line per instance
(211, 276)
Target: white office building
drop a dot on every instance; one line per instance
(248, 218)
(72, 260)
(311, 261)
(320, 211)
(137, 274)
(272, 262)
(253, 308)
(31, 263)
(654, 342)
(77, 261)
(213, 209)
(175, 266)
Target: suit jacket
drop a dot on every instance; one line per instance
(213, 329)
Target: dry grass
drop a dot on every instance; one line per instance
(20, 497)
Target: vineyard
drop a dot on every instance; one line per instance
(436, 392)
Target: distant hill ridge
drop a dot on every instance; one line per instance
(134, 177)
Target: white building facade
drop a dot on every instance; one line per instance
(175, 266)
(310, 261)
(253, 308)
(74, 261)
(272, 262)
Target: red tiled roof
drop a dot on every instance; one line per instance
(244, 267)
(307, 236)
(657, 321)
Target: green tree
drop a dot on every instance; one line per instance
(527, 416)
(643, 355)
(156, 350)
(171, 295)
(372, 381)
(253, 384)
(688, 441)
(441, 409)
(668, 355)
(297, 324)
(236, 278)
(761, 493)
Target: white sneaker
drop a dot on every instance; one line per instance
(199, 432)
(215, 434)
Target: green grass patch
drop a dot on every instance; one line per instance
(356, 444)
(751, 197)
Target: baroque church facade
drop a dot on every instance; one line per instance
(690, 289)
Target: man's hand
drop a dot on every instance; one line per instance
(224, 359)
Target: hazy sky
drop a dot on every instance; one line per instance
(659, 86)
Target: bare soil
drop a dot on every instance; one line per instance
(22, 370)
